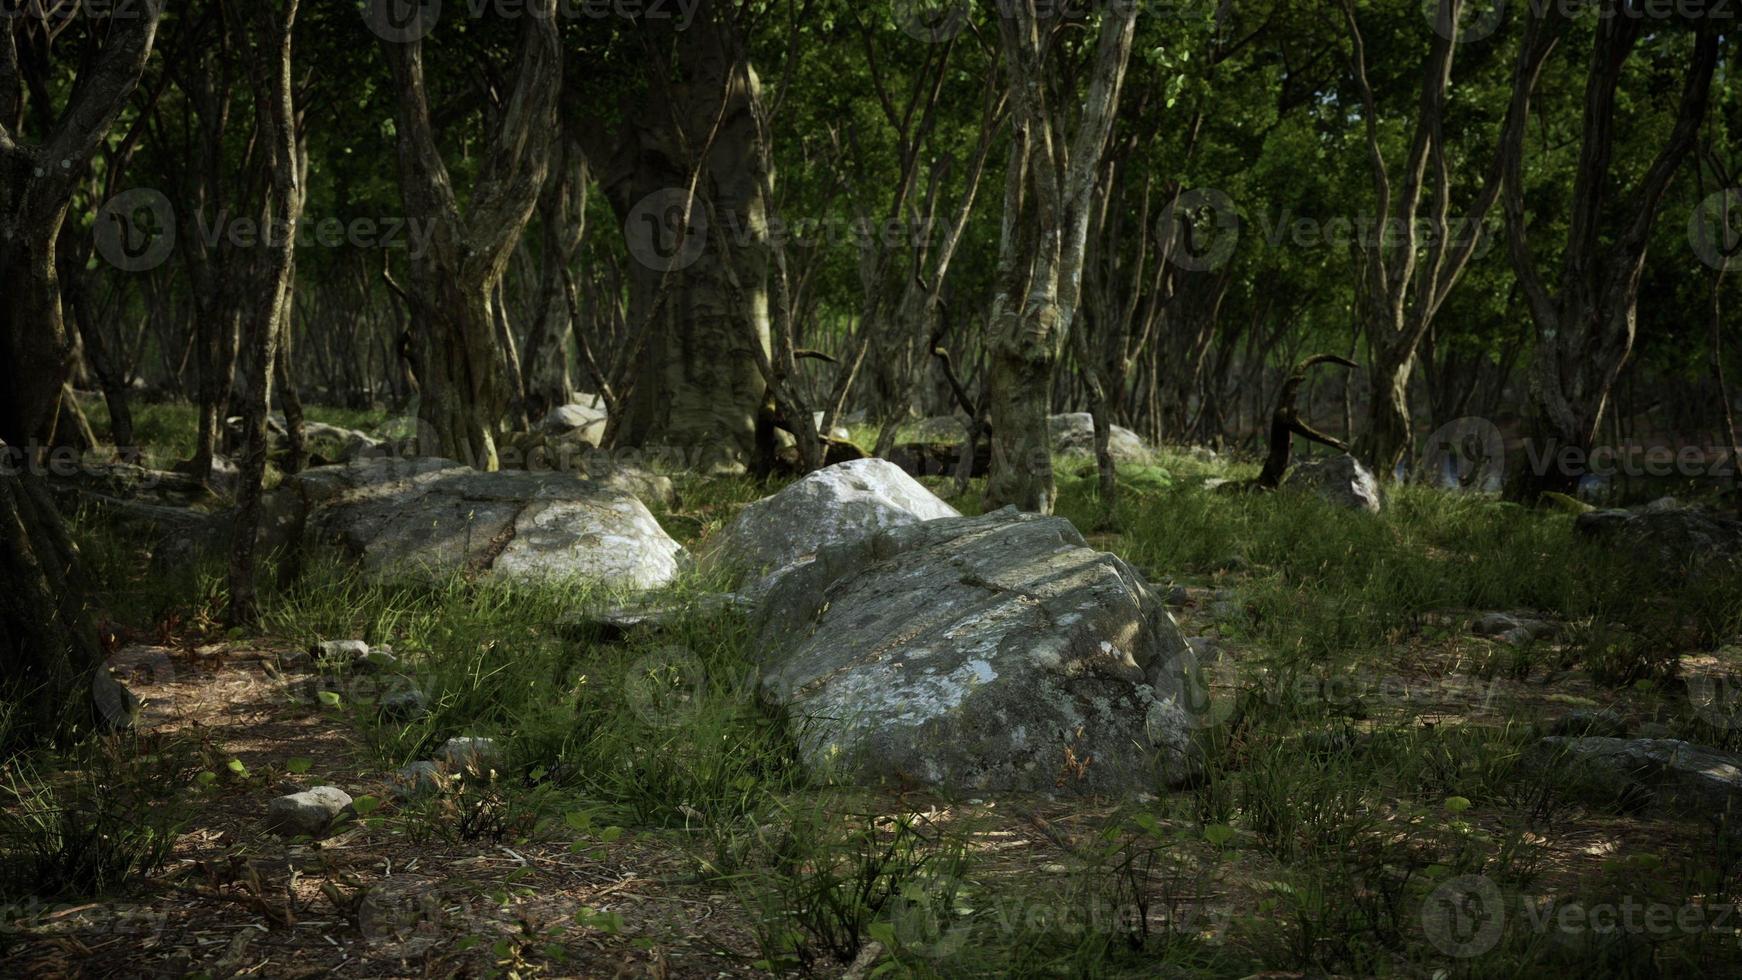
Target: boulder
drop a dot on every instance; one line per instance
(995, 653)
(422, 518)
(834, 505)
(309, 813)
(1509, 628)
(1663, 772)
(1677, 543)
(1342, 480)
(406, 702)
(1074, 435)
(582, 422)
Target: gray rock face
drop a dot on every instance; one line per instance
(309, 813)
(1509, 628)
(406, 702)
(839, 504)
(1663, 771)
(424, 518)
(1681, 544)
(583, 422)
(1342, 480)
(1074, 435)
(997, 653)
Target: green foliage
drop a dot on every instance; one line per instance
(93, 818)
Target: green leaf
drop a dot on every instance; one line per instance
(1457, 804)
(236, 766)
(299, 766)
(1218, 833)
(365, 805)
(329, 698)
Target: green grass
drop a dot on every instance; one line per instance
(1323, 821)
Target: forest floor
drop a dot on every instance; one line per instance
(1368, 752)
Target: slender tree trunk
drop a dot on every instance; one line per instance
(265, 32)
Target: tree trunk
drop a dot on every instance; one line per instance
(1041, 252)
(48, 650)
(563, 213)
(456, 352)
(1585, 333)
(266, 38)
(48, 645)
(698, 275)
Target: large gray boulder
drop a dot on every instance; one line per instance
(995, 653)
(1342, 480)
(1665, 772)
(1073, 434)
(1678, 543)
(424, 518)
(834, 505)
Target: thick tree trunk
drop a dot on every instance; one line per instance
(48, 648)
(32, 336)
(1023, 348)
(698, 294)
(48, 645)
(563, 213)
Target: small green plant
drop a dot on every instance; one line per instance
(98, 816)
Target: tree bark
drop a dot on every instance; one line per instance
(48, 649)
(563, 213)
(686, 180)
(1041, 252)
(264, 32)
(1585, 329)
(461, 366)
(1404, 279)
